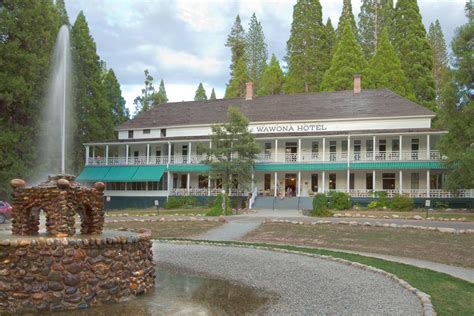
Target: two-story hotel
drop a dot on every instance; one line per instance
(357, 141)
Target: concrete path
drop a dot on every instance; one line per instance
(300, 285)
(233, 230)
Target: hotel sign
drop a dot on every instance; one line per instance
(288, 128)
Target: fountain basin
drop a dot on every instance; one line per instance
(43, 273)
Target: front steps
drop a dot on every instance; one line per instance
(287, 203)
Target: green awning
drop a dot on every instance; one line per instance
(121, 174)
(149, 173)
(300, 166)
(189, 168)
(397, 165)
(93, 173)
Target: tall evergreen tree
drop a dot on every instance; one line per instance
(144, 102)
(160, 96)
(414, 50)
(272, 79)
(236, 42)
(200, 93)
(61, 9)
(236, 86)
(308, 48)
(440, 58)
(385, 70)
(256, 53)
(94, 117)
(113, 96)
(374, 16)
(346, 16)
(331, 35)
(213, 95)
(347, 61)
(28, 31)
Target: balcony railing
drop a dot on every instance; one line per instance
(432, 155)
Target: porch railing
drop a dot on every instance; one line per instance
(413, 193)
(205, 192)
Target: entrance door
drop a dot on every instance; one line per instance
(291, 151)
(158, 157)
(184, 181)
(415, 146)
(332, 150)
(290, 184)
(184, 153)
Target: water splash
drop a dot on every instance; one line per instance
(55, 134)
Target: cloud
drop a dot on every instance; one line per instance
(181, 60)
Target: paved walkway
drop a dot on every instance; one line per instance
(302, 285)
(233, 230)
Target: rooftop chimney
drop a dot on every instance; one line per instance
(357, 84)
(249, 90)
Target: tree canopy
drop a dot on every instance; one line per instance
(272, 79)
(256, 53)
(200, 94)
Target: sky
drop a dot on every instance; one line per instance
(183, 41)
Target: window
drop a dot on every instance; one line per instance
(436, 181)
(344, 146)
(136, 186)
(130, 134)
(357, 146)
(415, 144)
(351, 181)
(332, 181)
(382, 145)
(395, 145)
(369, 181)
(369, 148)
(146, 131)
(415, 181)
(314, 182)
(315, 148)
(163, 132)
(267, 181)
(388, 181)
(332, 150)
(268, 149)
(153, 186)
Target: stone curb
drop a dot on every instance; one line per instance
(416, 217)
(164, 219)
(150, 215)
(376, 224)
(425, 299)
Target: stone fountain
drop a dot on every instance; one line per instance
(58, 270)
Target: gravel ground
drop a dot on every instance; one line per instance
(304, 285)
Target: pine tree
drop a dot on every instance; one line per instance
(414, 50)
(308, 48)
(61, 9)
(346, 16)
(440, 58)
(144, 102)
(28, 31)
(236, 86)
(272, 79)
(385, 70)
(331, 36)
(256, 53)
(160, 96)
(213, 95)
(236, 42)
(113, 96)
(94, 117)
(200, 93)
(374, 16)
(347, 61)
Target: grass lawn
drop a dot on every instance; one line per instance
(163, 211)
(169, 229)
(468, 215)
(434, 246)
(449, 295)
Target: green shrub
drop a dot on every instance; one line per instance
(382, 199)
(340, 201)
(172, 202)
(441, 204)
(180, 201)
(320, 206)
(217, 210)
(402, 203)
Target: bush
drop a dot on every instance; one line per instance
(441, 204)
(373, 204)
(320, 206)
(172, 202)
(340, 201)
(217, 210)
(180, 201)
(402, 203)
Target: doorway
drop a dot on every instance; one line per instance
(291, 151)
(290, 184)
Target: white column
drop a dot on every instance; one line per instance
(276, 150)
(401, 147)
(209, 184)
(428, 146)
(299, 184)
(348, 150)
(299, 149)
(93, 151)
(169, 183)
(373, 147)
(189, 152)
(188, 182)
(324, 151)
(169, 152)
(253, 182)
(400, 186)
(323, 182)
(106, 154)
(427, 183)
(147, 154)
(276, 183)
(373, 180)
(348, 187)
(127, 149)
(87, 155)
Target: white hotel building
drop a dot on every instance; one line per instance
(357, 141)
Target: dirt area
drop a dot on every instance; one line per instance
(169, 229)
(434, 246)
(464, 215)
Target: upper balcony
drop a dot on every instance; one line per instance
(419, 155)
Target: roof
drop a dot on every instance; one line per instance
(290, 107)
